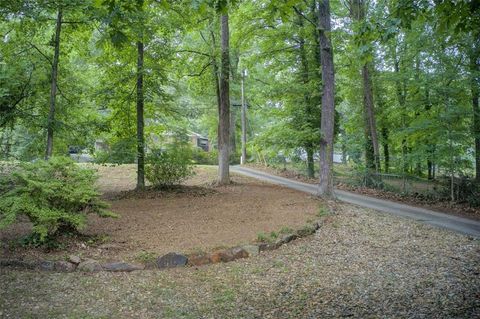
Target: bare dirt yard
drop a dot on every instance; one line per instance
(196, 217)
(359, 264)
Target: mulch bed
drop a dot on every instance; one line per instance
(195, 217)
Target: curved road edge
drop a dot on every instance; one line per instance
(455, 223)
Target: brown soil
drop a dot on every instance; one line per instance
(197, 216)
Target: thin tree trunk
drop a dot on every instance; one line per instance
(233, 131)
(304, 74)
(53, 87)
(370, 114)
(386, 151)
(475, 84)
(325, 187)
(224, 110)
(140, 120)
(244, 122)
(215, 70)
(310, 162)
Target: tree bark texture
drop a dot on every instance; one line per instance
(224, 107)
(325, 187)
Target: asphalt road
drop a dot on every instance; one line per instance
(458, 224)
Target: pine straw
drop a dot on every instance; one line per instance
(361, 264)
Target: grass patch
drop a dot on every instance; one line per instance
(145, 256)
(323, 211)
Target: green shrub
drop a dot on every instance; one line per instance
(201, 157)
(170, 166)
(56, 196)
(121, 152)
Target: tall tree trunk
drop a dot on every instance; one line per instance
(372, 155)
(475, 84)
(401, 96)
(325, 187)
(224, 107)
(140, 120)
(370, 114)
(304, 75)
(53, 87)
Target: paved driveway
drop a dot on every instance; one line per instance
(426, 216)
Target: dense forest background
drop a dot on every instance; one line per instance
(131, 73)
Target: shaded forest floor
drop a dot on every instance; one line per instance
(360, 264)
(417, 200)
(195, 217)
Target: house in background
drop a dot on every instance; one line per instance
(198, 140)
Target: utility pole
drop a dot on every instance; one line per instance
(243, 159)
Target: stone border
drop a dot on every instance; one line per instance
(170, 260)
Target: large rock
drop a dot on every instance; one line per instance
(64, 266)
(89, 266)
(171, 260)
(199, 259)
(121, 266)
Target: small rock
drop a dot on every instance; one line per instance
(74, 259)
(305, 231)
(252, 250)
(171, 260)
(46, 265)
(267, 246)
(285, 239)
(89, 266)
(199, 259)
(221, 256)
(64, 266)
(228, 255)
(239, 252)
(121, 266)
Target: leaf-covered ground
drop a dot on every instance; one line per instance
(360, 264)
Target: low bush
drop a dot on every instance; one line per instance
(465, 190)
(169, 166)
(56, 196)
(120, 152)
(201, 157)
